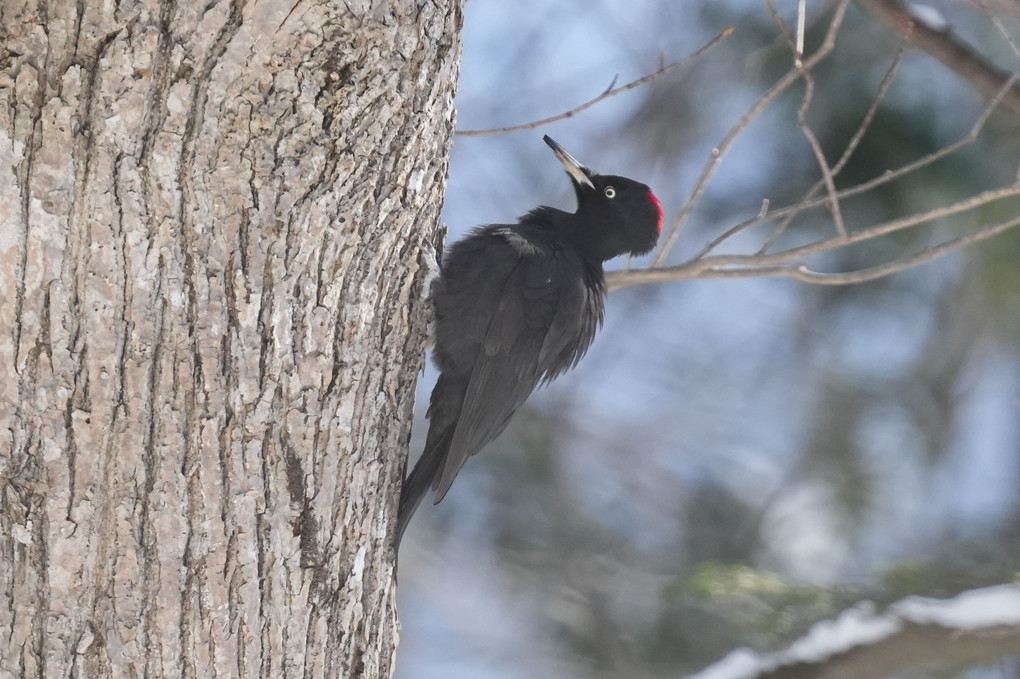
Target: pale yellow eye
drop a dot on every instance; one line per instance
(610, 192)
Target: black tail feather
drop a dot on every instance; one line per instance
(422, 479)
(443, 414)
(416, 485)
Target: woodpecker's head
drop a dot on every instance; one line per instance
(620, 215)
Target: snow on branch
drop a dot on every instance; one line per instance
(975, 626)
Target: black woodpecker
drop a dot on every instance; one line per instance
(515, 306)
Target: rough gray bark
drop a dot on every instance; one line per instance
(210, 328)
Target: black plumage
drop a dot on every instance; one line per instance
(515, 306)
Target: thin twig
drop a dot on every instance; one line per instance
(923, 257)
(869, 117)
(883, 229)
(816, 148)
(796, 44)
(789, 213)
(855, 140)
(791, 40)
(800, 272)
(864, 187)
(801, 20)
(1006, 35)
(719, 152)
(788, 262)
(610, 91)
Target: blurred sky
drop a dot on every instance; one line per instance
(707, 383)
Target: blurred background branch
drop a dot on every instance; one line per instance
(936, 38)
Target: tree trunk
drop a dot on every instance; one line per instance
(211, 327)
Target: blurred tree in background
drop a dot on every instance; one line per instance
(738, 459)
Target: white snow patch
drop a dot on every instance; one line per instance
(860, 626)
(975, 609)
(742, 663)
(857, 626)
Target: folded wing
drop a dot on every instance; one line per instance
(538, 328)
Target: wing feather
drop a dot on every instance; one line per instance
(538, 328)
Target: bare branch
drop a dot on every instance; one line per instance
(923, 257)
(719, 152)
(797, 46)
(789, 263)
(960, 57)
(610, 91)
(1006, 34)
(873, 232)
(801, 21)
(883, 88)
(791, 211)
(816, 148)
(855, 140)
(991, 7)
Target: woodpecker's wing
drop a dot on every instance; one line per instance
(543, 320)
